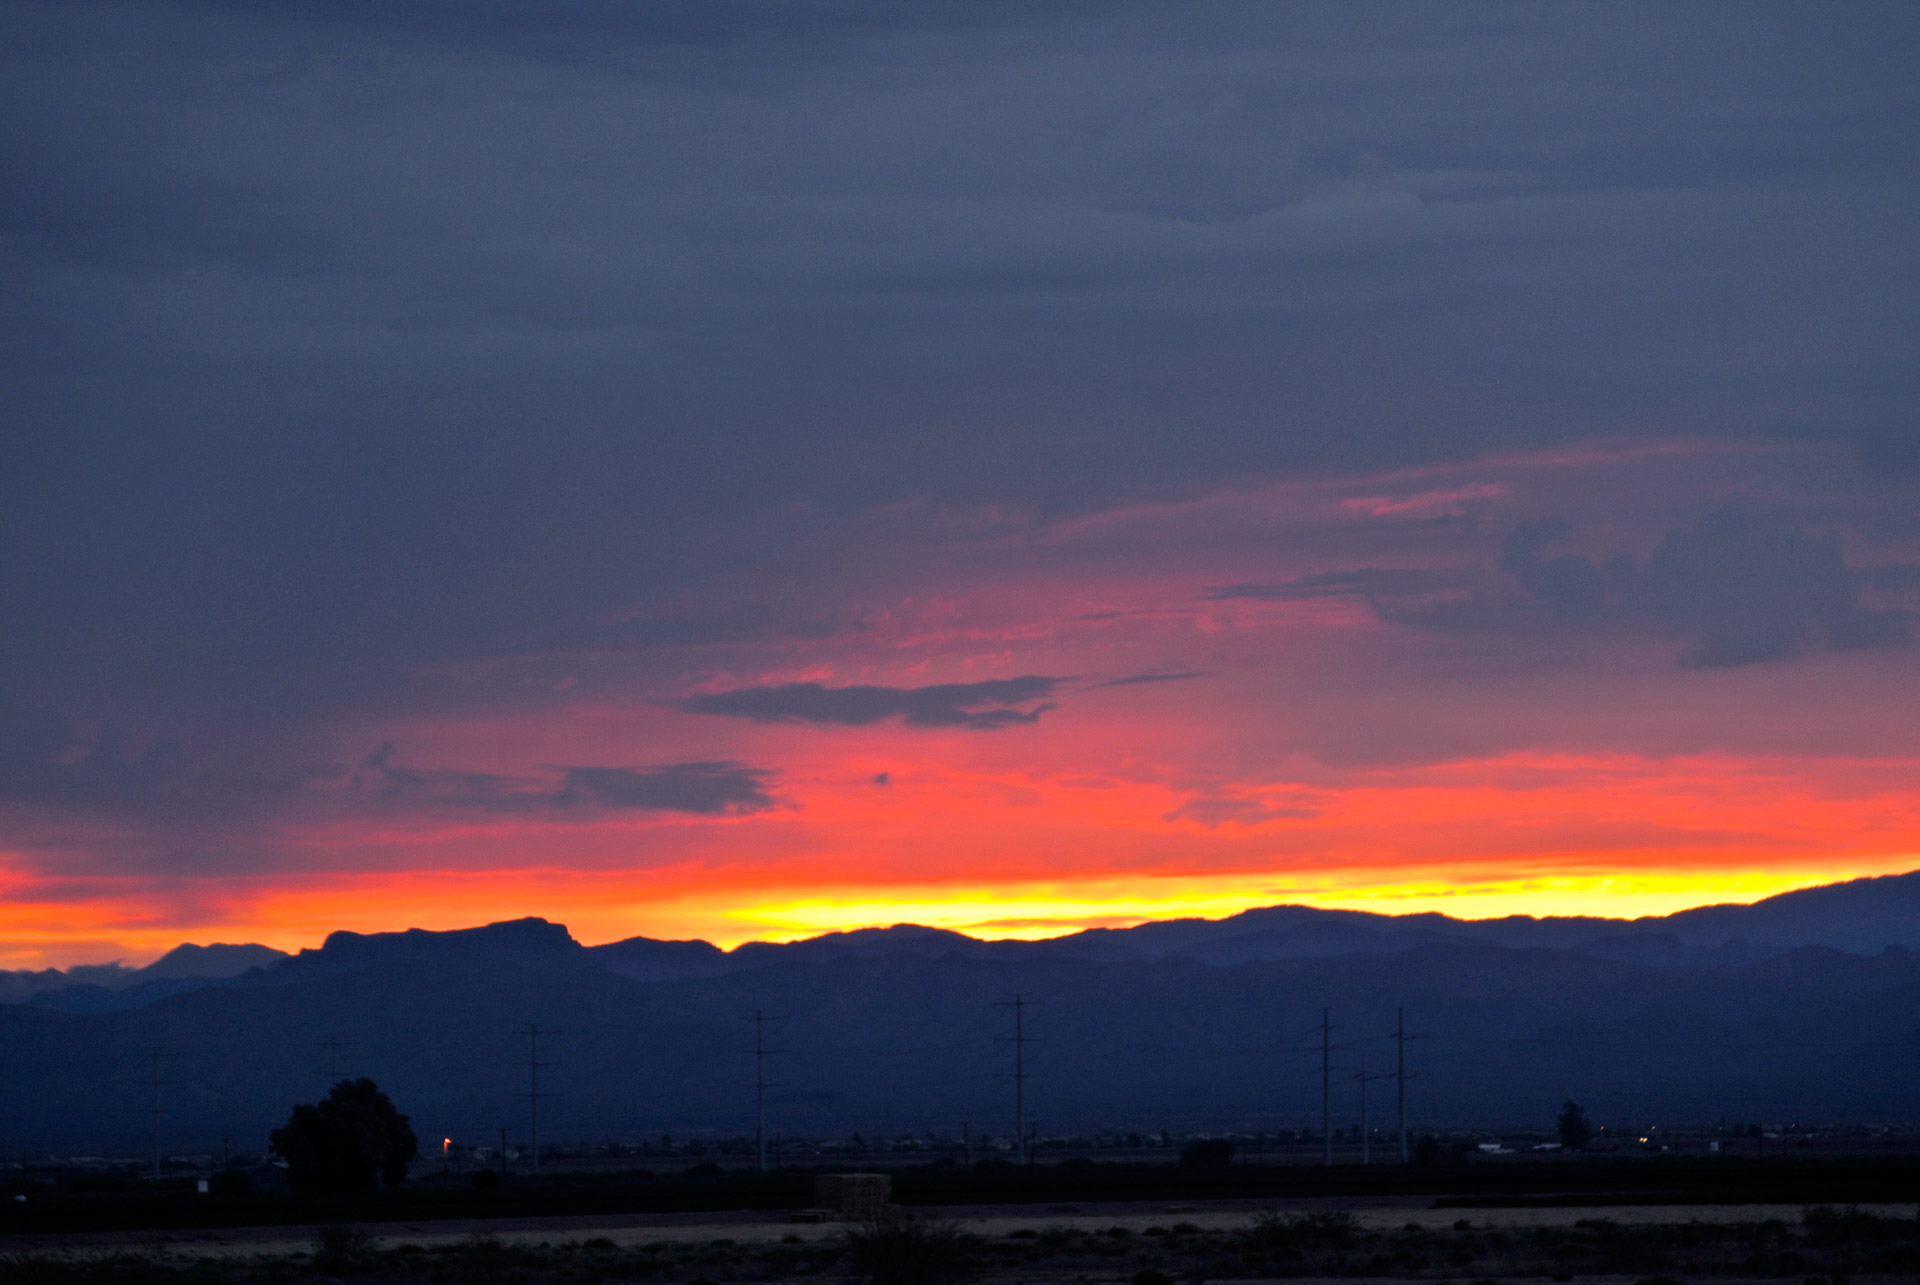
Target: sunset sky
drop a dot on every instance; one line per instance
(742, 470)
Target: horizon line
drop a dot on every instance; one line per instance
(1023, 931)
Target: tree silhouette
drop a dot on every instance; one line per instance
(351, 1140)
(1574, 1127)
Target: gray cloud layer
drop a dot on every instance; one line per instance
(346, 338)
(1737, 587)
(710, 788)
(42, 759)
(983, 706)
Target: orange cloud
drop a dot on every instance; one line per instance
(1014, 853)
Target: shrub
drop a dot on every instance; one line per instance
(1282, 1232)
(341, 1251)
(896, 1248)
(1852, 1226)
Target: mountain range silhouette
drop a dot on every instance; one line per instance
(1804, 1007)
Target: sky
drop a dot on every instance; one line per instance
(749, 469)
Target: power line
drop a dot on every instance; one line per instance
(760, 1085)
(1400, 1075)
(1019, 1004)
(1400, 1038)
(156, 1054)
(1326, 1087)
(533, 1093)
(333, 1044)
(1366, 1124)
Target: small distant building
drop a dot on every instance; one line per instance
(849, 1196)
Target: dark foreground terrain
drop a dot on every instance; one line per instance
(1034, 1246)
(1796, 1009)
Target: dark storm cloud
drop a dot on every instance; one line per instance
(347, 339)
(1135, 679)
(702, 788)
(982, 706)
(1566, 584)
(44, 758)
(47, 760)
(1738, 587)
(1744, 587)
(1893, 577)
(380, 774)
(707, 789)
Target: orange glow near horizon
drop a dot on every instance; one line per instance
(1213, 751)
(609, 907)
(951, 845)
(1035, 915)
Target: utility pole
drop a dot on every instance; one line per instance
(1366, 1128)
(760, 1084)
(156, 1113)
(1326, 1088)
(1400, 1074)
(966, 1142)
(760, 1088)
(1019, 1006)
(503, 1151)
(533, 1094)
(333, 1044)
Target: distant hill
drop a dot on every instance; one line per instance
(96, 988)
(1862, 917)
(215, 961)
(1187, 1024)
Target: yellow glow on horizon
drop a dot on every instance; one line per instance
(1051, 911)
(607, 906)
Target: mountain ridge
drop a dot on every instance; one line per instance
(1860, 916)
(917, 1042)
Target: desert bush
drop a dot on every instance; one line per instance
(1852, 1226)
(897, 1248)
(342, 1251)
(1277, 1233)
(485, 1259)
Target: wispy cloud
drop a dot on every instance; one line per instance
(1134, 679)
(982, 706)
(707, 789)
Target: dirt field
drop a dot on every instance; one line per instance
(1141, 1223)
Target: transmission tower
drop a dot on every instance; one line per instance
(333, 1044)
(1019, 1003)
(761, 1083)
(1400, 1038)
(533, 1093)
(1326, 1087)
(156, 1054)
